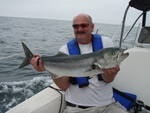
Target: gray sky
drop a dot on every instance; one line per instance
(102, 11)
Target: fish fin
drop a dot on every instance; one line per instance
(60, 54)
(94, 70)
(97, 65)
(53, 76)
(93, 67)
(28, 55)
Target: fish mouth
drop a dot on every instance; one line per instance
(122, 54)
(125, 53)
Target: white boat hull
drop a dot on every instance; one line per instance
(134, 75)
(46, 101)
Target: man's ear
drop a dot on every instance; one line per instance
(92, 27)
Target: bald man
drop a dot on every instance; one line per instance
(85, 94)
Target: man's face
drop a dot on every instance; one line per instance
(82, 29)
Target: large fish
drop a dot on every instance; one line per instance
(79, 65)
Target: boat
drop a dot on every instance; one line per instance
(133, 77)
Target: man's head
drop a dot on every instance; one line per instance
(83, 27)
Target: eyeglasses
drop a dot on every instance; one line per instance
(76, 26)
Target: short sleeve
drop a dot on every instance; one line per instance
(107, 42)
(64, 49)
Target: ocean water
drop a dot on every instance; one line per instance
(43, 37)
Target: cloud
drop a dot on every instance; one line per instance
(104, 11)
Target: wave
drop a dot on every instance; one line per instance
(2, 41)
(13, 93)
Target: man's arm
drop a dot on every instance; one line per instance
(110, 74)
(62, 82)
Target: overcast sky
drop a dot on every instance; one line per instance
(102, 11)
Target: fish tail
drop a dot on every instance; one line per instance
(28, 56)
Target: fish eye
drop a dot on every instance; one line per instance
(113, 53)
(93, 66)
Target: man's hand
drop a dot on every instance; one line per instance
(37, 63)
(109, 74)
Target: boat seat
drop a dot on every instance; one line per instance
(144, 36)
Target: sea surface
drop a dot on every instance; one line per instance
(44, 37)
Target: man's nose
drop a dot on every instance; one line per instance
(80, 28)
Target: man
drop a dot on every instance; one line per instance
(84, 94)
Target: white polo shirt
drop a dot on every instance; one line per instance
(97, 93)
